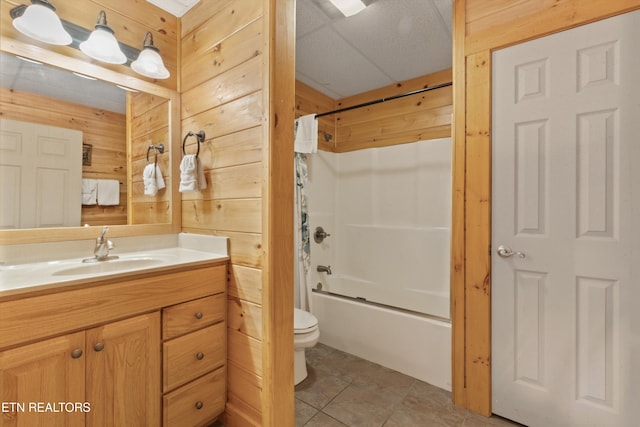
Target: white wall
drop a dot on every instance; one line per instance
(383, 208)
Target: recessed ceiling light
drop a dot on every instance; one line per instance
(349, 7)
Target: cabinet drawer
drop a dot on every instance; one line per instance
(197, 403)
(190, 356)
(189, 316)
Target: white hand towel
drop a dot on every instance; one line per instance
(152, 179)
(159, 178)
(191, 174)
(149, 180)
(89, 191)
(108, 192)
(306, 137)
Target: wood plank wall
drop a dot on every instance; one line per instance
(104, 130)
(149, 125)
(481, 26)
(129, 22)
(230, 54)
(414, 118)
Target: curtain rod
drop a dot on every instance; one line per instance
(390, 98)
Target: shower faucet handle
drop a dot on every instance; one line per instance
(320, 235)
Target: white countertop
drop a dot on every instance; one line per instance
(190, 250)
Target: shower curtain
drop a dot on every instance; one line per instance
(301, 224)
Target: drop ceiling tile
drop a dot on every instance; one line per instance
(445, 8)
(317, 86)
(326, 58)
(406, 38)
(308, 17)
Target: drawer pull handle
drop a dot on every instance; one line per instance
(199, 405)
(99, 347)
(199, 315)
(200, 356)
(77, 353)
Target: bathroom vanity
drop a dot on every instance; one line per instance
(125, 346)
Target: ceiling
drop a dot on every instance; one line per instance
(390, 41)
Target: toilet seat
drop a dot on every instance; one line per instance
(304, 322)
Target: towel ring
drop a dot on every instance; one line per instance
(200, 138)
(155, 149)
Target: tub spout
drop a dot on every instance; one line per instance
(324, 269)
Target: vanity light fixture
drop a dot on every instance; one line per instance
(102, 44)
(40, 22)
(349, 7)
(149, 62)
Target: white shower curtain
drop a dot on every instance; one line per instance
(301, 224)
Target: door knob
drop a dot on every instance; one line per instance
(506, 252)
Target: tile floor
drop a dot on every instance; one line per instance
(345, 390)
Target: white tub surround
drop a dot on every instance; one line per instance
(388, 211)
(416, 346)
(37, 266)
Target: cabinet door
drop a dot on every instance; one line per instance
(123, 373)
(39, 381)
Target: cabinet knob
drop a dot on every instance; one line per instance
(200, 356)
(77, 353)
(199, 405)
(99, 346)
(199, 315)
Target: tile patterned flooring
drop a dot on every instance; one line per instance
(343, 390)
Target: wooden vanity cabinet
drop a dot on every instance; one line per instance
(101, 348)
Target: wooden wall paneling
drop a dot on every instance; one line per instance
(277, 279)
(242, 147)
(245, 283)
(458, 259)
(233, 182)
(223, 214)
(481, 26)
(245, 391)
(223, 85)
(148, 126)
(243, 113)
(242, 80)
(245, 317)
(515, 22)
(245, 352)
(376, 133)
(201, 12)
(227, 54)
(478, 232)
(210, 34)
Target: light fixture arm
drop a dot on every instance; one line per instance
(149, 45)
(101, 23)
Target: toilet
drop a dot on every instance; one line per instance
(305, 335)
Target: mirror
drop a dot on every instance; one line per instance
(118, 122)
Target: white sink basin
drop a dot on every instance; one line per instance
(109, 266)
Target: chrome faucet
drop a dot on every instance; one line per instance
(324, 269)
(102, 248)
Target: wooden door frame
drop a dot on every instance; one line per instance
(471, 222)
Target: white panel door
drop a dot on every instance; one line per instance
(40, 175)
(566, 195)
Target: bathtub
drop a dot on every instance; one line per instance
(419, 300)
(416, 345)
